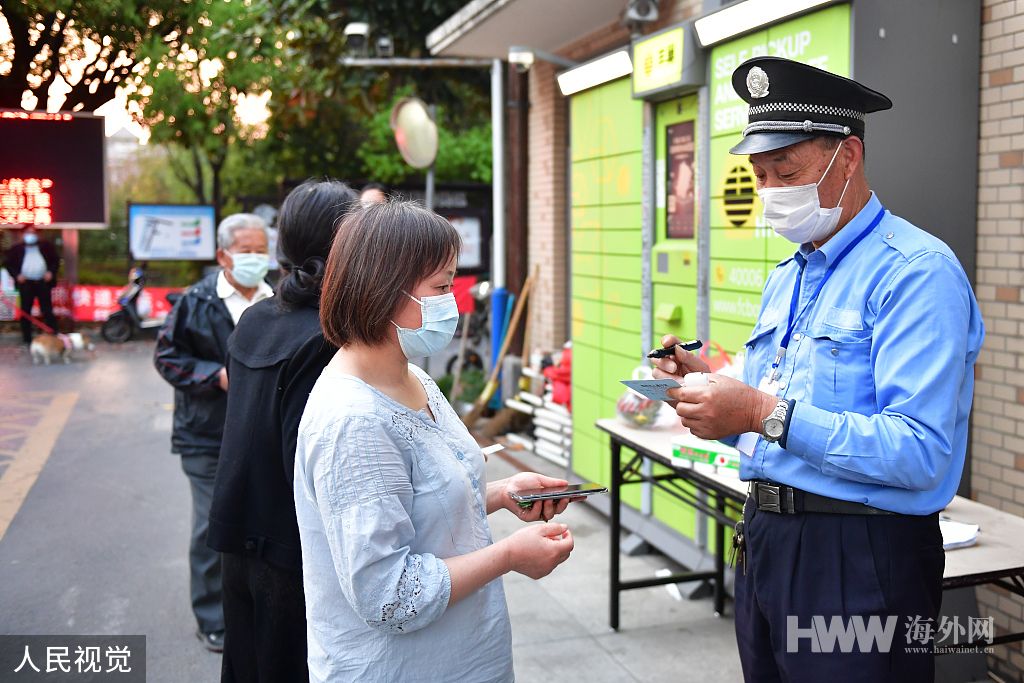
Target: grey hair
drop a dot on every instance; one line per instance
(830, 142)
(235, 222)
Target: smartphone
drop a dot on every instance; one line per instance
(526, 498)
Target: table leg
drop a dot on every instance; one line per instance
(719, 557)
(615, 532)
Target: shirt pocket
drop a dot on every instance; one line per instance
(841, 378)
(759, 349)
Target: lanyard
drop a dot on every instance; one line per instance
(794, 316)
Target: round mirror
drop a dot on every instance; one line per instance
(415, 132)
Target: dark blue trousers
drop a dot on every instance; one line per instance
(808, 576)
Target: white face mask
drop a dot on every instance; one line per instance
(249, 269)
(440, 318)
(795, 212)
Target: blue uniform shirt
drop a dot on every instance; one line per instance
(881, 366)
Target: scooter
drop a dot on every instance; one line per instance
(122, 325)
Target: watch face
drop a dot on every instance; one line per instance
(773, 427)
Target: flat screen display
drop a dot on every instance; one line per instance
(52, 170)
(171, 232)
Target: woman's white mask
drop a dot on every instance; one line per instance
(440, 318)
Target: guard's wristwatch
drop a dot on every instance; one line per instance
(773, 425)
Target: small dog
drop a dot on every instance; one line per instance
(46, 347)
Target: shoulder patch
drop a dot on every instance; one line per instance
(909, 240)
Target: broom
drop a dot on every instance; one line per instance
(508, 419)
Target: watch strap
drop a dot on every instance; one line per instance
(785, 425)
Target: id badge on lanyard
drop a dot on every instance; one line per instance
(748, 441)
(770, 382)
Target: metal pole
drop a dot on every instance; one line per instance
(648, 208)
(498, 174)
(499, 294)
(410, 63)
(429, 200)
(702, 189)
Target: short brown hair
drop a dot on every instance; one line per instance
(380, 252)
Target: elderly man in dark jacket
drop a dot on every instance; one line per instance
(191, 352)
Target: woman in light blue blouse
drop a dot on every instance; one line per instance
(402, 577)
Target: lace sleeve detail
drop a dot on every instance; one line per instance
(364, 492)
(394, 615)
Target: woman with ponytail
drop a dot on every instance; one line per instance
(275, 356)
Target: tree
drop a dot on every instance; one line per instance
(86, 47)
(461, 155)
(195, 83)
(103, 253)
(332, 119)
(187, 65)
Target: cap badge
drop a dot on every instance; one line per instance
(757, 82)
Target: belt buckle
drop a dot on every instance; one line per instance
(776, 498)
(769, 498)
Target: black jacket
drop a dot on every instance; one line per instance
(274, 358)
(191, 348)
(16, 257)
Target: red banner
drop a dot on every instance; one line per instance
(460, 287)
(95, 303)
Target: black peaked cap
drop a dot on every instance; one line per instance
(790, 102)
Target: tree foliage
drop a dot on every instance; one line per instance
(193, 83)
(91, 46)
(103, 253)
(332, 119)
(461, 154)
(188, 64)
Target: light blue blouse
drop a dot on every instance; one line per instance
(382, 495)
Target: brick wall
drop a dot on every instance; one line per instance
(997, 471)
(548, 189)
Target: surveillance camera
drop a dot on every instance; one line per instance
(385, 47)
(641, 11)
(357, 36)
(522, 57)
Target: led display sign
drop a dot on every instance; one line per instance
(52, 170)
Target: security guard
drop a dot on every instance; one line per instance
(863, 358)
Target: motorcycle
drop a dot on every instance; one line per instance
(133, 316)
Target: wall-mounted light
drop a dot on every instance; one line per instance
(601, 70)
(524, 57)
(747, 16)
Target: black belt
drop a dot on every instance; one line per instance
(786, 500)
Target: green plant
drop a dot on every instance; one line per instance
(472, 381)
(445, 385)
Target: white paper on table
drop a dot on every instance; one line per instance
(957, 534)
